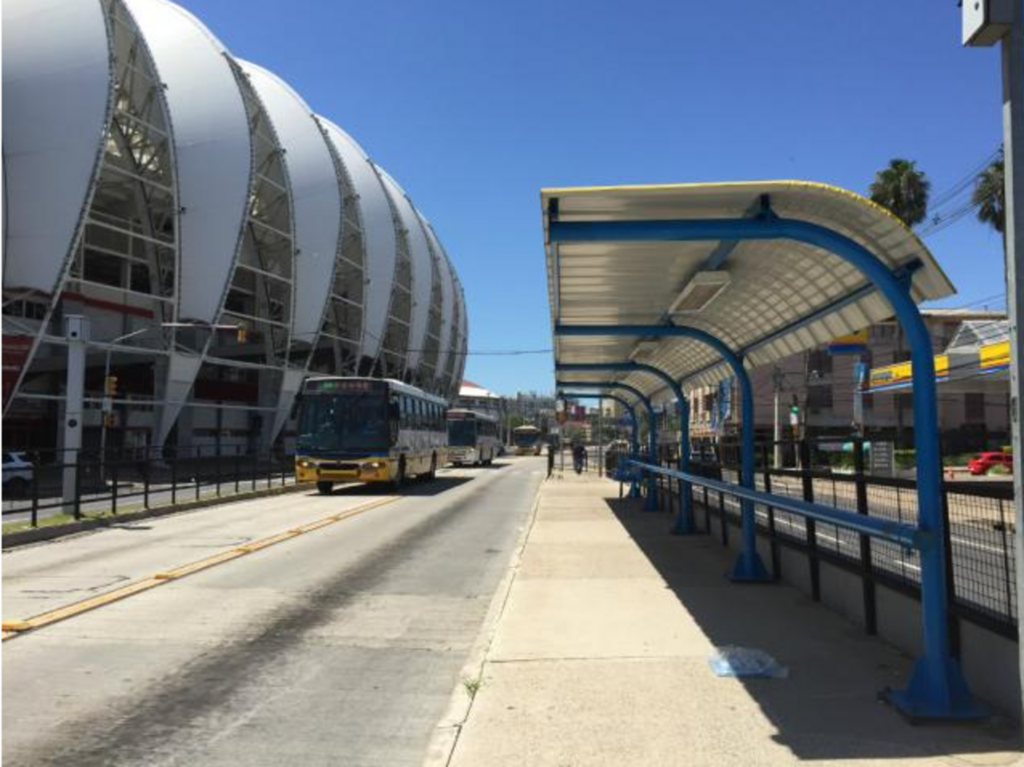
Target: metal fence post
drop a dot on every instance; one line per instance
(113, 488)
(812, 535)
(236, 468)
(867, 575)
(78, 485)
(1007, 547)
(174, 478)
(724, 518)
(772, 541)
(217, 470)
(145, 481)
(947, 544)
(197, 465)
(35, 497)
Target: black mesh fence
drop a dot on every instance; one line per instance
(979, 519)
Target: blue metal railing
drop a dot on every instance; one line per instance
(901, 534)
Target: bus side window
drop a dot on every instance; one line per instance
(406, 420)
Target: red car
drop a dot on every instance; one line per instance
(982, 462)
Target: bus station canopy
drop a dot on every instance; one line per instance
(765, 298)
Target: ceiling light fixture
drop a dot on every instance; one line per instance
(700, 290)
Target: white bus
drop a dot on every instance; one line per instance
(472, 437)
(368, 430)
(527, 440)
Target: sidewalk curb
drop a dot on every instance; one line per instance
(40, 534)
(446, 732)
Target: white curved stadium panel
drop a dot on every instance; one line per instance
(422, 268)
(56, 102)
(212, 147)
(316, 197)
(447, 296)
(378, 233)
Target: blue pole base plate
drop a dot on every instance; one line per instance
(937, 691)
(749, 569)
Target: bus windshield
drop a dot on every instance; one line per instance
(344, 423)
(526, 438)
(462, 433)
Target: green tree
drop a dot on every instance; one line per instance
(903, 189)
(990, 196)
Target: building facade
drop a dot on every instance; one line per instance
(221, 240)
(822, 393)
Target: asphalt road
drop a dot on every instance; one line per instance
(341, 646)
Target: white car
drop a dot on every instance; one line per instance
(18, 472)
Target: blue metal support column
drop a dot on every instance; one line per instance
(634, 440)
(684, 518)
(651, 504)
(748, 568)
(937, 688)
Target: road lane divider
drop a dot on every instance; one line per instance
(14, 628)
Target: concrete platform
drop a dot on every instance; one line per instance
(600, 657)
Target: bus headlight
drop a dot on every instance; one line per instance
(374, 465)
(304, 464)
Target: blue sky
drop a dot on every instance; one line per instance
(474, 106)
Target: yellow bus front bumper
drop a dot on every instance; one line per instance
(351, 470)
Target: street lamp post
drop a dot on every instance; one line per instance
(108, 406)
(985, 23)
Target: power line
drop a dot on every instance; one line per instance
(957, 202)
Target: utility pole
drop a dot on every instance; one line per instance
(986, 22)
(777, 430)
(76, 331)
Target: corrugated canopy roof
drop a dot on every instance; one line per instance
(782, 296)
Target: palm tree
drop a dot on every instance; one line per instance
(903, 189)
(990, 196)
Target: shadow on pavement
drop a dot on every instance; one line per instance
(492, 467)
(827, 708)
(413, 488)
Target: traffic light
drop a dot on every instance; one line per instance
(243, 334)
(794, 406)
(110, 386)
(109, 420)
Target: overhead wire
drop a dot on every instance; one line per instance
(956, 202)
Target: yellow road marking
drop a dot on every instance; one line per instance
(14, 628)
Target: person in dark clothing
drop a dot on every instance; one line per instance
(551, 459)
(579, 458)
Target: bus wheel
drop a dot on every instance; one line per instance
(324, 488)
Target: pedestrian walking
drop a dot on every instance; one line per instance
(579, 457)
